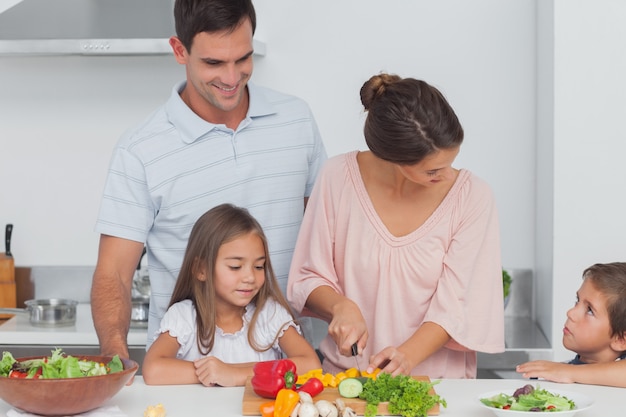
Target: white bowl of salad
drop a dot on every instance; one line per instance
(535, 401)
(61, 384)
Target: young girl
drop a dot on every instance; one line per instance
(595, 330)
(226, 312)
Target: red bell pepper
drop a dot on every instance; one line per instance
(272, 376)
(312, 386)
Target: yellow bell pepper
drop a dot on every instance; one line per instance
(329, 380)
(340, 377)
(313, 373)
(370, 375)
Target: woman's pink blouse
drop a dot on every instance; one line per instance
(448, 271)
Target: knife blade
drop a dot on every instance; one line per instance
(355, 353)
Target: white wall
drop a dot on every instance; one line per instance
(59, 120)
(61, 116)
(589, 145)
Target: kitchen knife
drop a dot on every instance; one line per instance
(7, 239)
(355, 353)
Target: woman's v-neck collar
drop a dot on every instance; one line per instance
(375, 220)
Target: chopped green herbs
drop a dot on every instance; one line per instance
(407, 396)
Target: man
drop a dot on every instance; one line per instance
(218, 139)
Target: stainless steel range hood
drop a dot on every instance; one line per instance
(88, 27)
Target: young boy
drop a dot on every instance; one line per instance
(595, 330)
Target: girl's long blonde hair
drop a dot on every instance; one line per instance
(214, 228)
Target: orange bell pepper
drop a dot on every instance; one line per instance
(267, 409)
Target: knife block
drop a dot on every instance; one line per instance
(8, 297)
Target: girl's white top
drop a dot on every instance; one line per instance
(274, 319)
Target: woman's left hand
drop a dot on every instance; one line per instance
(391, 360)
(426, 340)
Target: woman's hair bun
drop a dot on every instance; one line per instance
(375, 87)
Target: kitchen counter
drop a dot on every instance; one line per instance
(19, 331)
(461, 394)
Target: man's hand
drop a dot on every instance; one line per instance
(111, 293)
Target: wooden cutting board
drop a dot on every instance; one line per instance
(252, 402)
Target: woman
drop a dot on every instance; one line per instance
(399, 252)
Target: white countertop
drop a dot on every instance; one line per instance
(461, 395)
(19, 331)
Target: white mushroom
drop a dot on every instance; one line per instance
(308, 409)
(305, 397)
(326, 408)
(343, 410)
(340, 405)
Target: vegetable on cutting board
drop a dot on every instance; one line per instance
(330, 380)
(286, 401)
(272, 376)
(350, 387)
(407, 396)
(267, 409)
(312, 386)
(290, 403)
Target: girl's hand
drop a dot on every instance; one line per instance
(347, 326)
(391, 360)
(213, 372)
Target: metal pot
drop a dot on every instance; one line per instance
(139, 312)
(54, 312)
